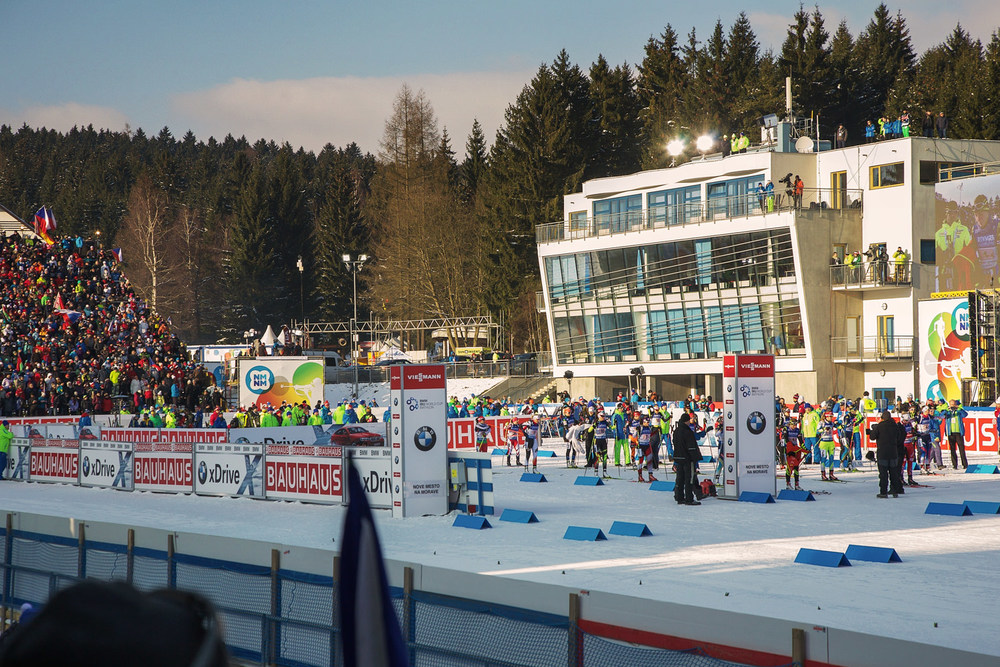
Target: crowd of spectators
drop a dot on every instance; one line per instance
(75, 338)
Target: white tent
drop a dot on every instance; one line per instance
(268, 338)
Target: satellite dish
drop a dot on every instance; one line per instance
(804, 145)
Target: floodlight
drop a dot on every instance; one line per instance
(675, 147)
(705, 143)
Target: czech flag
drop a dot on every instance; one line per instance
(45, 222)
(117, 252)
(368, 623)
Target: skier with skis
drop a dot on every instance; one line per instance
(910, 445)
(483, 435)
(532, 436)
(643, 454)
(827, 445)
(512, 434)
(600, 451)
(927, 426)
(795, 449)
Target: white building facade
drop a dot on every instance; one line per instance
(668, 270)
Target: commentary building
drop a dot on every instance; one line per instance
(654, 276)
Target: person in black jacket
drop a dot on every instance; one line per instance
(887, 440)
(686, 458)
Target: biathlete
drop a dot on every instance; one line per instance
(827, 446)
(910, 445)
(575, 443)
(600, 450)
(512, 434)
(482, 433)
(532, 434)
(644, 452)
(795, 450)
(927, 426)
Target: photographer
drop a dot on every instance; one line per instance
(789, 186)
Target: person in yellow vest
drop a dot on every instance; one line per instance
(287, 419)
(899, 261)
(315, 419)
(339, 413)
(241, 417)
(734, 144)
(169, 419)
(743, 143)
(867, 404)
(5, 438)
(267, 418)
(810, 433)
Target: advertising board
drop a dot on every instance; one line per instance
(418, 403)
(107, 464)
(284, 379)
(229, 470)
(55, 461)
(755, 427)
(19, 460)
(164, 466)
(307, 473)
(945, 356)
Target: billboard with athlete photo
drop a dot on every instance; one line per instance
(944, 344)
(967, 212)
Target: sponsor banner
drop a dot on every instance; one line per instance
(19, 460)
(374, 465)
(462, 431)
(67, 431)
(282, 435)
(164, 466)
(423, 431)
(55, 461)
(755, 428)
(107, 464)
(139, 435)
(308, 473)
(62, 419)
(727, 439)
(945, 356)
(277, 380)
(396, 437)
(980, 431)
(229, 469)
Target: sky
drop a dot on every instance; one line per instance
(312, 73)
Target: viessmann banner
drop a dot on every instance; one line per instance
(418, 405)
(755, 427)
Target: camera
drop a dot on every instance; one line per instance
(786, 179)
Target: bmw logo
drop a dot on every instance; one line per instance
(729, 415)
(397, 460)
(202, 472)
(756, 422)
(729, 388)
(730, 468)
(395, 402)
(395, 431)
(397, 489)
(86, 466)
(425, 438)
(730, 443)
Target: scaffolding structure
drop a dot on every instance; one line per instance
(984, 348)
(458, 327)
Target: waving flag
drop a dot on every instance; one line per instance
(45, 222)
(369, 628)
(117, 252)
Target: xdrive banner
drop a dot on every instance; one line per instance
(229, 470)
(107, 464)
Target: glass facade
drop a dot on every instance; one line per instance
(691, 299)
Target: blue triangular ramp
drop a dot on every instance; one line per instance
(499, 451)
(822, 558)
(629, 529)
(584, 534)
(982, 507)
(518, 516)
(471, 521)
(983, 469)
(586, 480)
(792, 494)
(972, 468)
(533, 477)
(756, 497)
(661, 485)
(916, 465)
(707, 459)
(545, 453)
(948, 509)
(873, 554)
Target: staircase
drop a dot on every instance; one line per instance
(523, 388)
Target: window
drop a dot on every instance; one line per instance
(928, 252)
(838, 189)
(886, 175)
(577, 221)
(618, 214)
(672, 207)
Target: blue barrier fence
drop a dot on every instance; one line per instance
(276, 616)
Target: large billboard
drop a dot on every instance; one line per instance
(943, 326)
(282, 379)
(967, 213)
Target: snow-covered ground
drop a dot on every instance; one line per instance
(724, 555)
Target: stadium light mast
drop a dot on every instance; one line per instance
(354, 265)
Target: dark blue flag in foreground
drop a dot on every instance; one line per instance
(370, 630)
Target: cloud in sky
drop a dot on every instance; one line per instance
(63, 117)
(338, 110)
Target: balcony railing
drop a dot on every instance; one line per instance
(540, 302)
(871, 348)
(715, 208)
(872, 274)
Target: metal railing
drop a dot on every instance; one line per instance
(453, 371)
(872, 274)
(716, 208)
(871, 348)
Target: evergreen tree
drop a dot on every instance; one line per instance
(473, 167)
(882, 54)
(660, 90)
(616, 117)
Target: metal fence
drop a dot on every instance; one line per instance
(276, 616)
(453, 371)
